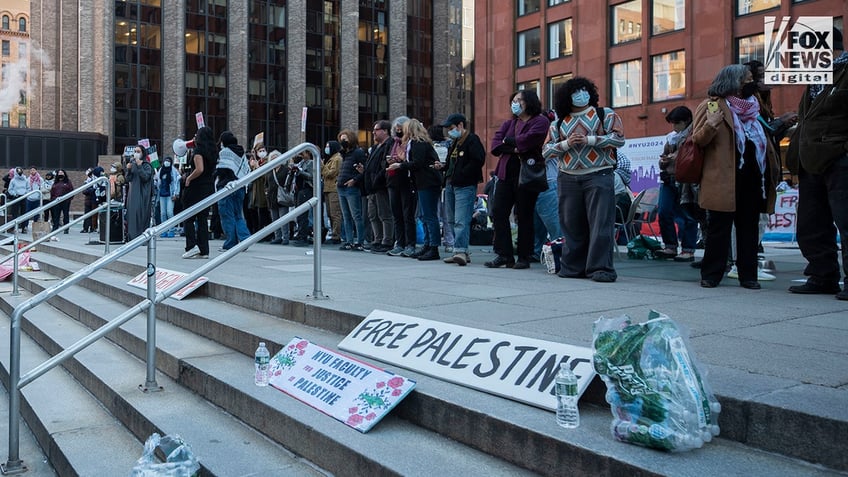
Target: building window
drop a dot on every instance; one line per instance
(5, 22)
(750, 48)
(668, 15)
(528, 47)
(669, 76)
(528, 85)
(4, 120)
(22, 24)
(627, 83)
(559, 39)
(22, 50)
(22, 120)
(744, 7)
(628, 19)
(526, 7)
(6, 48)
(554, 83)
(552, 3)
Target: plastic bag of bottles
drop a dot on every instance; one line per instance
(179, 462)
(657, 392)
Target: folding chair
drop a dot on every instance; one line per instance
(628, 220)
(650, 209)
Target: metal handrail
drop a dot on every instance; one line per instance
(5, 207)
(14, 464)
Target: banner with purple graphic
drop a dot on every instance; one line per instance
(342, 387)
(644, 154)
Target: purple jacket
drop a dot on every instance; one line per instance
(529, 139)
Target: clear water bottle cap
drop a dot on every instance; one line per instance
(261, 344)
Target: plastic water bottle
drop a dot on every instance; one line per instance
(567, 414)
(262, 358)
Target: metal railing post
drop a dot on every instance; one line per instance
(317, 227)
(15, 245)
(14, 464)
(150, 382)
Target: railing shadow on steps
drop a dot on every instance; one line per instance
(16, 249)
(14, 463)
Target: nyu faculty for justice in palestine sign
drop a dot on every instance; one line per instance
(342, 387)
(518, 368)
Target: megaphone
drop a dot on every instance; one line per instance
(181, 147)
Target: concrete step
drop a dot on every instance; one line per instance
(484, 422)
(108, 416)
(224, 378)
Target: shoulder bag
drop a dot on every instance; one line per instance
(285, 197)
(689, 163)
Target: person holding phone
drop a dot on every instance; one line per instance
(741, 171)
(350, 185)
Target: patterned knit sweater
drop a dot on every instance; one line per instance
(602, 139)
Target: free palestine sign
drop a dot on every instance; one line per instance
(342, 387)
(515, 367)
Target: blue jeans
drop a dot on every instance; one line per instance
(233, 222)
(670, 212)
(166, 208)
(546, 218)
(428, 201)
(459, 207)
(350, 200)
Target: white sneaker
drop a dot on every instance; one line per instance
(765, 277)
(192, 253)
(733, 273)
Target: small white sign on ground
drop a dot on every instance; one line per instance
(341, 387)
(165, 279)
(515, 367)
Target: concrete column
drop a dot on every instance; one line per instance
(349, 42)
(45, 65)
(237, 64)
(296, 67)
(69, 80)
(442, 104)
(397, 59)
(173, 74)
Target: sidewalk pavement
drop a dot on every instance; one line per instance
(769, 345)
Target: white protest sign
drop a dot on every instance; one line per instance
(303, 119)
(342, 387)
(781, 226)
(165, 279)
(644, 154)
(515, 367)
(198, 118)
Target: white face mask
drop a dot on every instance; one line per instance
(137, 155)
(113, 170)
(167, 164)
(262, 154)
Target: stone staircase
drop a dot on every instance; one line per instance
(91, 418)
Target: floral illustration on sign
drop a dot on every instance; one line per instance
(286, 359)
(381, 397)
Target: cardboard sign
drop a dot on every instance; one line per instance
(303, 119)
(341, 387)
(515, 367)
(258, 139)
(165, 279)
(128, 151)
(781, 226)
(198, 118)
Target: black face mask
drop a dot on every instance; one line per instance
(345, 144)
(398, 133)
(748, 89)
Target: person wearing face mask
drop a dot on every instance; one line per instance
(402, 199)
(139, 206)
(349, 184)
(33, 201)
(376, 188)
(463, 170)
(584, 140)
(17, 188)
(61, 186)
(739, 175)
(199, 184)
(167, 182)
(259, 215)
(519, 139)
(232, 166)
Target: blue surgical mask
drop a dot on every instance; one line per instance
(580, 98)
(167, 164)
(455, 133)
(327, 150)
(516, 108)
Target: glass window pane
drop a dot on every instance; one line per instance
(627, 83)
(559, 39)
(669, 76)
(528, 6)
(668, 15)
(744, 7)
(750, 48)
(626, 22)
(551, 3)
(554, 82)
(528, 47)
(528, 85)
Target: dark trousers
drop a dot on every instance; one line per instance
(749, 204)
(507, 196)
(197, 227)
(303, 230)
(404, 205)
(587, 218)
(823, 201)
